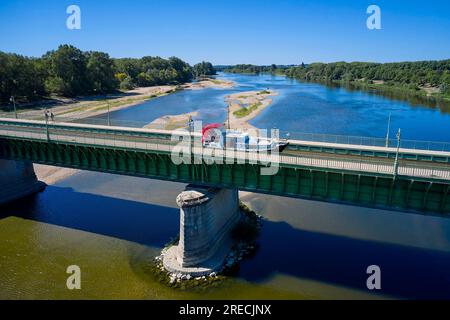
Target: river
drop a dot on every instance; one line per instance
(112, 226)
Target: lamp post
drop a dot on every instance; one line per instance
(396, 154)
(228, 117)
(109, 118)
(388, 129)
(191, 141)
(13, 100)
(46, 127)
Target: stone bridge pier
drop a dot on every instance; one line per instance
(207, 217)
(17, 180)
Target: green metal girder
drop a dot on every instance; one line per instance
(372, 190)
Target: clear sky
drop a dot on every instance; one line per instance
(232, 31)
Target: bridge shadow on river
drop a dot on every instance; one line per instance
(407, 272)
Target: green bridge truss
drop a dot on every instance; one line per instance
(343, 186)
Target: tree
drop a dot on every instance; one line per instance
(21, 77)
(204, 69)
(127, 84)
(120, 76)
(100, 72)
(67, 68)
(70, 72)
(183, 71)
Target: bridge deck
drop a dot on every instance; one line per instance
(161, 141)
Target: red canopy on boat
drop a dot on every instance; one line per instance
(209, 127)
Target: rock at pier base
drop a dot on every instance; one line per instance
(205, 268)
(207, 217)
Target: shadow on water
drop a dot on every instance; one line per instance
(143, 223)
(406, 272)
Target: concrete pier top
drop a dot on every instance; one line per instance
(194, 196)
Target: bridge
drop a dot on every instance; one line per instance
(395, 177)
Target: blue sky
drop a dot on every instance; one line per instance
(231, 31)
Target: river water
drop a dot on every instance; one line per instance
(112, 226)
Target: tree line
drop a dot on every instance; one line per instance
(204, 69)
(404, 75)
(410, 75)
(253, 69)
(70, 72)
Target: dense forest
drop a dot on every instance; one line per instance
(253, 69)
(71, 72)
(204, 69)
(408, 75)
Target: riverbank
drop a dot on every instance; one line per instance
(172, 122)
(115, 225)
(95, 106)
(426, 95)
(244, 106)
(51, 175)
(209, 83)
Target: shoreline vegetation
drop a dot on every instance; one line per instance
(97, 105)
(245, 106)
(417, 82)
(69, 72)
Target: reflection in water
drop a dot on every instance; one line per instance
(399, 95)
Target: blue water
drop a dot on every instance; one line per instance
(317, 249)
(210, 103)
(303, 108)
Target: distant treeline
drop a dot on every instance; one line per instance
(253, 69)
(410, 75)
(204, 69)
(71, 72)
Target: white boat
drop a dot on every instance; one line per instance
(213, 136)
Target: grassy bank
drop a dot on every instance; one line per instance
(245, 111)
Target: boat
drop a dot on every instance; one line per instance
(214, 136)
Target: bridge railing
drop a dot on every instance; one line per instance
(302, 136)
(96, 120)
(367, 141)
(362, 164)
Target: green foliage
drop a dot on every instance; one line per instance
(150, 71)
(127, 84)
(444, 88)
(120, 76)
(20, 77)
(247, 69)
(252, 69)
(242, 112)
(71, 72)
(100, 73)
(67, 71)
(409, 75)
(204, 69)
